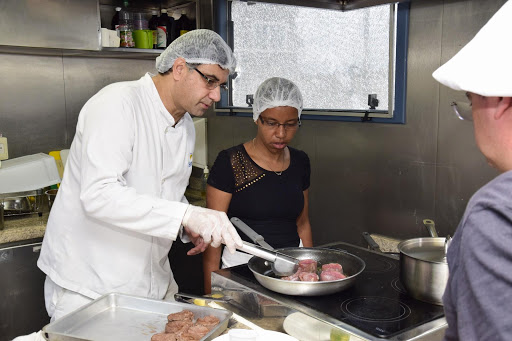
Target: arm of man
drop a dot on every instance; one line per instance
(303, 224)
(217, 200)
(107, 135)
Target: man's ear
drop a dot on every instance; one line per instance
(179, 68)
(503, 107)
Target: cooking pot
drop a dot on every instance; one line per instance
(423, 266)
(262, 269)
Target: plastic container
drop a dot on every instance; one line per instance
(140, 22)
(126, 29)
(28, 173)
(153, 24)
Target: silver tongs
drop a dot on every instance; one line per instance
(282, 265)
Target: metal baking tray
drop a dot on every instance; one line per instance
(128, 318)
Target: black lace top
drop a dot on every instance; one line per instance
(269, 203)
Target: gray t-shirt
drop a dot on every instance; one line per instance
(478, 296)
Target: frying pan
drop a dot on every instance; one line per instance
(352, 267)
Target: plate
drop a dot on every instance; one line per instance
(305, 327)
(263, 335)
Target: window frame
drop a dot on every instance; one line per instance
(225, 106)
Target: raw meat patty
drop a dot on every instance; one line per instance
(184, 315)
(331, 275)
(163, 337)
(332, 267)
(307, 265)
(209, 321)
(196, 332)
(308, 277)
(178, 327)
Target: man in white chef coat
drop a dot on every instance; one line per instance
(478, 295)
(121, 202)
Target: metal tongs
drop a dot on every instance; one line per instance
(281, 264)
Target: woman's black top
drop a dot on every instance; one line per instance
(269, 203)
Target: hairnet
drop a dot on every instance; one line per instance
(276, 92)
(198, 47)
(484, 65)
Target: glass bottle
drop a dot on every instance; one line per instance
(153, 24)
(163, 21)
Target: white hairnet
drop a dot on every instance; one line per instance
(276, 92)
(484, 65)
(198, 47)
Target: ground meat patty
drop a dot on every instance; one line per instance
(308, 277)
(209, 321)
(184, 315)
(294, 277)
(196, 332)
(307, 265)
(163, 337)
(178, 327)
(332, 267)
(331, 275)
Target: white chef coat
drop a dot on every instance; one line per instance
(121, 201)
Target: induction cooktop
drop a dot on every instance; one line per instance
(376, 304)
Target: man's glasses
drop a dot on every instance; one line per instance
(210, 83)
(462, 110)
(275, 125)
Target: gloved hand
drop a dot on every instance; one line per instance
(213, 226)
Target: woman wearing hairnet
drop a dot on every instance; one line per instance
(478, 295)
(264, 182)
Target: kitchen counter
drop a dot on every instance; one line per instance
(19, 228)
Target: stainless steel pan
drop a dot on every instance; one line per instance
(352, 267)
(262, 270)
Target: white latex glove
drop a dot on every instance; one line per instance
(213, 226)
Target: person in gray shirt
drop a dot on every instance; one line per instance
(478, 296)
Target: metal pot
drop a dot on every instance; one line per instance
(423, 266)
(352, 267)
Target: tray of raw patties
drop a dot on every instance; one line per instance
(130, 318)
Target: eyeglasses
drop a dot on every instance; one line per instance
(210, 83)
(462, 110)
(275, 125)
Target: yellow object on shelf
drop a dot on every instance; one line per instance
(58, 161)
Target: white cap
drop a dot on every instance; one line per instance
(276, 92)
(484, 65)
(198, 47)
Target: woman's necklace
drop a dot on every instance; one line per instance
(268, 165)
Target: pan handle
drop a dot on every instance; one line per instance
(253, 235)
(205, 298)
(371, 242)
(431, 227)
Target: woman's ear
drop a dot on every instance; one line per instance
(504, 106)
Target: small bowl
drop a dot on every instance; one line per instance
(51, 194)
(16, 204)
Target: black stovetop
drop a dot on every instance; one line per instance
(376, 304)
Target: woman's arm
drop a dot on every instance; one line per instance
(303, 224)
(216, 200)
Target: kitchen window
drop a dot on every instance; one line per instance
(341, 60)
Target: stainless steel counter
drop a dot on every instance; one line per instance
(19, 228)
